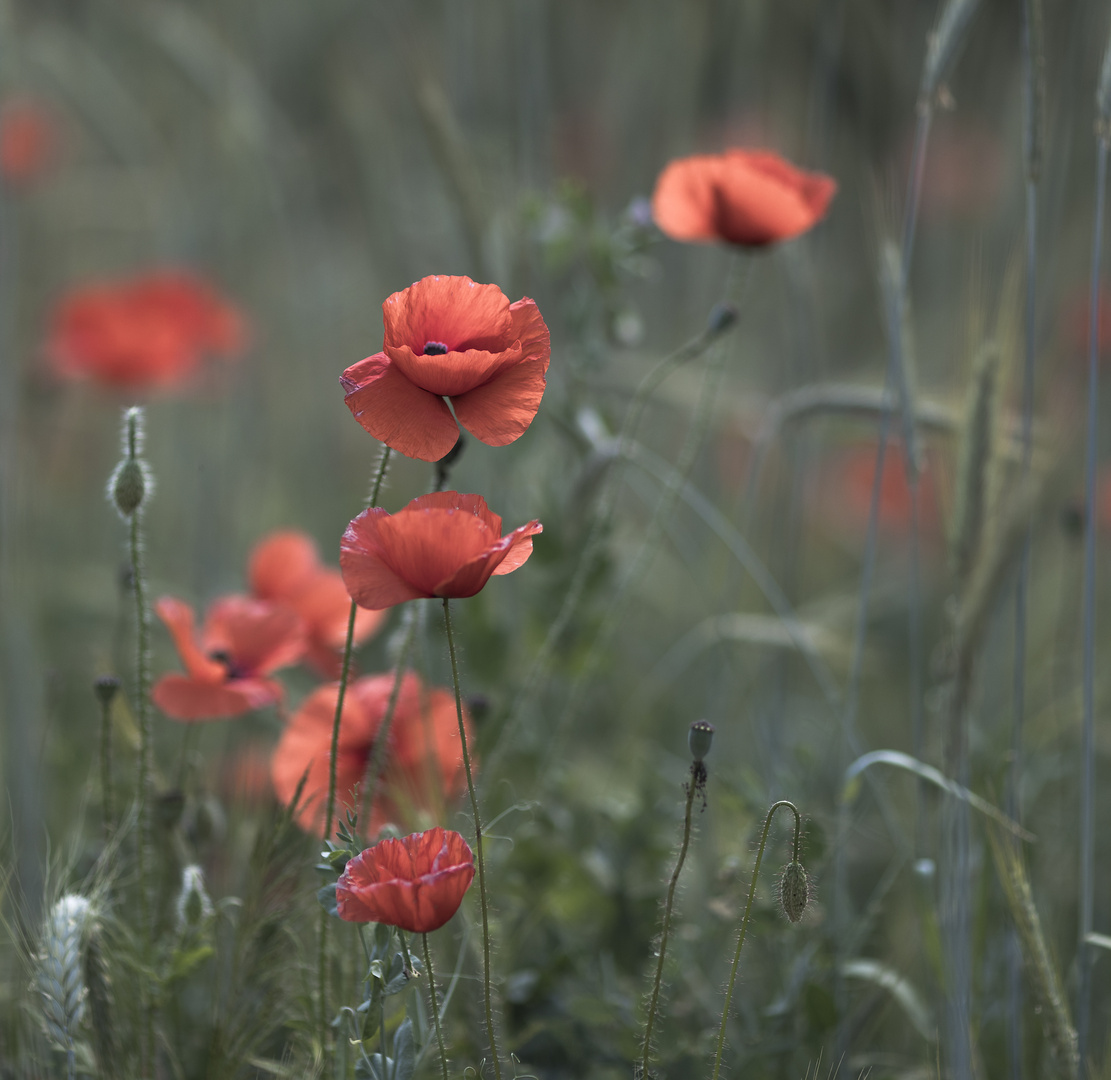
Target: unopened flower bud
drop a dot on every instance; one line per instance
(131, 480)
(794, 890)
(700, 739)
(193, 903)
(106, 688)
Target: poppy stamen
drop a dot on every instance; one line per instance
(434, 348)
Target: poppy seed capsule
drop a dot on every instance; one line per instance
(794, 891)
(700, 739)
(106, 688)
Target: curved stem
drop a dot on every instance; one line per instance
(748, 915)
(477, 844)
(345, 673)
(435, 1005)
(692, 786)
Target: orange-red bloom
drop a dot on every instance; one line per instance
(747, 197)
(285, 568)
(242, 641)
(443, 544)
(27, 140)
(415, 883)
(422, 763)
(145, 332)
(449, 337)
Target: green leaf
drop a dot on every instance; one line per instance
(327, 899)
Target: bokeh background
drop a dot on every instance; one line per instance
(311, 159)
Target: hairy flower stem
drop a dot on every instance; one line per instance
(653, 1004)
(748, 915)
(345, 673)
(477, 843)
(435, 1004)
(107, 810)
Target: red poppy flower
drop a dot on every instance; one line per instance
(285, 568)
(747, 197)
(142, 333)
(422, 767)
(27, 140)
(443, 544)
(448, 337)
(242, 641)
(415, 883)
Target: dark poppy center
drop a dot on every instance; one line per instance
(223, 657)
(434, 348)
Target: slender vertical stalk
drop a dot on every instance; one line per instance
(106, 689)
(477, 844)
(748, 915)
(435, 1004)
(345, 674)
(1087, 776)
(653, 1005)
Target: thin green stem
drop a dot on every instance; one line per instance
(435, 1005)
(653, 1006)
(748, 914)
(345, 673)
(477, 844)
(106, 768)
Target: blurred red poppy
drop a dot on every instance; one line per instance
(242, 641)
(415, 883)
(284, 568)
(422, 765)
(28, 140)
(747, 197)
(449, 337)
(443, 544)
(146, 332)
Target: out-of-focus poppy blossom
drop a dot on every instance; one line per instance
(845, 491)
(28, 140)
(285, 568)
(747, 197)
(415, 882)
(147, 332)
(242, 641)
(449, 337)
(443, 544)
(422, 762)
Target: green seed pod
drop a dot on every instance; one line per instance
(700, 739)
(128, 486)
(794, 891)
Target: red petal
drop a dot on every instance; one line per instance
(454, 311)
(450, 373)
(520, 549)
(683, 202)
(184, 698)
(281, 564)
(397, 412)
(369, 580)
(473, 575)
(457, 500)
(531, 331)
(258, 636)
(501, 411)
(179, 620)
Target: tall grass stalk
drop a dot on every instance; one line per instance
(1032, 64)
(477, 845)
(1088, 764)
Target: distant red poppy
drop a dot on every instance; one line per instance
(146, 332)
(422, 765)
(284, 568)
(415, 883)
(28, 140)
(747, 197)
(443, 544)
(242, 641)
(449, 337)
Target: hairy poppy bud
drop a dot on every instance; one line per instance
(131, 481)
(794, 890)
(700, 739)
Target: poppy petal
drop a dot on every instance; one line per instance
(530, 330)
(451, 373)
(469, 578)
(457, 500)
(184, 698)
(453, 311)
(179, 619)
(501, 411)
(281, 564)
(257, 636)
(396, 411)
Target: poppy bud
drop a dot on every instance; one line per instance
(700, 739)
(131, 481)
(106, 688)
(794, 890)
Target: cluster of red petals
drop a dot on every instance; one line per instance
(747, 197)
(422, 762)
(285, 568)
(147, 332)
(445, 544)
(242, 641)
(449, 337)
(28, 140)
(415, 883)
